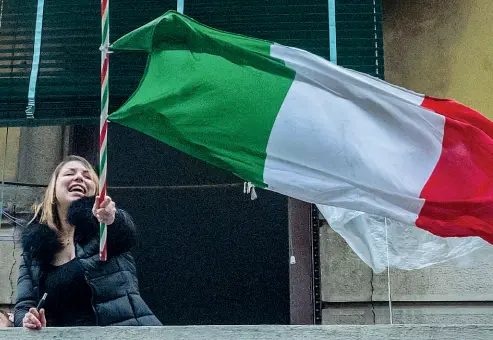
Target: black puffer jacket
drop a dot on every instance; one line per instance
(115, 293)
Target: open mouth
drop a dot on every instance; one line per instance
(77, 188)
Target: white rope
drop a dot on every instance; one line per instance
(31, 95)
(292, 258)
(4, 167)
(389, 286)
(249, 188)
(180, 6)
(1, 13)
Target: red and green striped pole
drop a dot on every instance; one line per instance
(103, 131)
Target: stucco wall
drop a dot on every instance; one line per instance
(441, 48)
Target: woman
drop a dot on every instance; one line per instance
(61, 258)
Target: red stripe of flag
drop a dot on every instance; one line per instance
(459, 193)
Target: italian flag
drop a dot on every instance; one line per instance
(294, 123)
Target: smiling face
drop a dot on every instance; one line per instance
(74, 181)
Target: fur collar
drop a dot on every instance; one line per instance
(40, 242)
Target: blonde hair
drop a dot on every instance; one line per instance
(48, 209)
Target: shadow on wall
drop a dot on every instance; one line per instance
(419, 41)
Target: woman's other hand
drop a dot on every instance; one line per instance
(105, 213)
(34, 319)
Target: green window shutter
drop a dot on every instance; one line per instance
(68, 86)
(126, 69)
(359, 35)
(305, 25)
(297, 23)
(16, 50)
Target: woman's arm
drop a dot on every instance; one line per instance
(121, 234)
(120, 226)
(26, 296)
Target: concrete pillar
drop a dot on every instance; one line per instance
(32, 154)
(40, 150)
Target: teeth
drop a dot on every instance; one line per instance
(77, 189)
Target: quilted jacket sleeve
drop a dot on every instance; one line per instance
(121, 234)
(26, 295)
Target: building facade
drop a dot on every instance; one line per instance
(217, 264)
(442, 49)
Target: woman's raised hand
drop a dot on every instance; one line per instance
(105, 213)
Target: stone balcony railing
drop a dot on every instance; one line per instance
(378, 332)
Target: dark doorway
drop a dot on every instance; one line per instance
(206, 253)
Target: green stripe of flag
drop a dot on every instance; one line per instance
(208, 93)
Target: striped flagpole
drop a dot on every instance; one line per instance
(103, 131)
